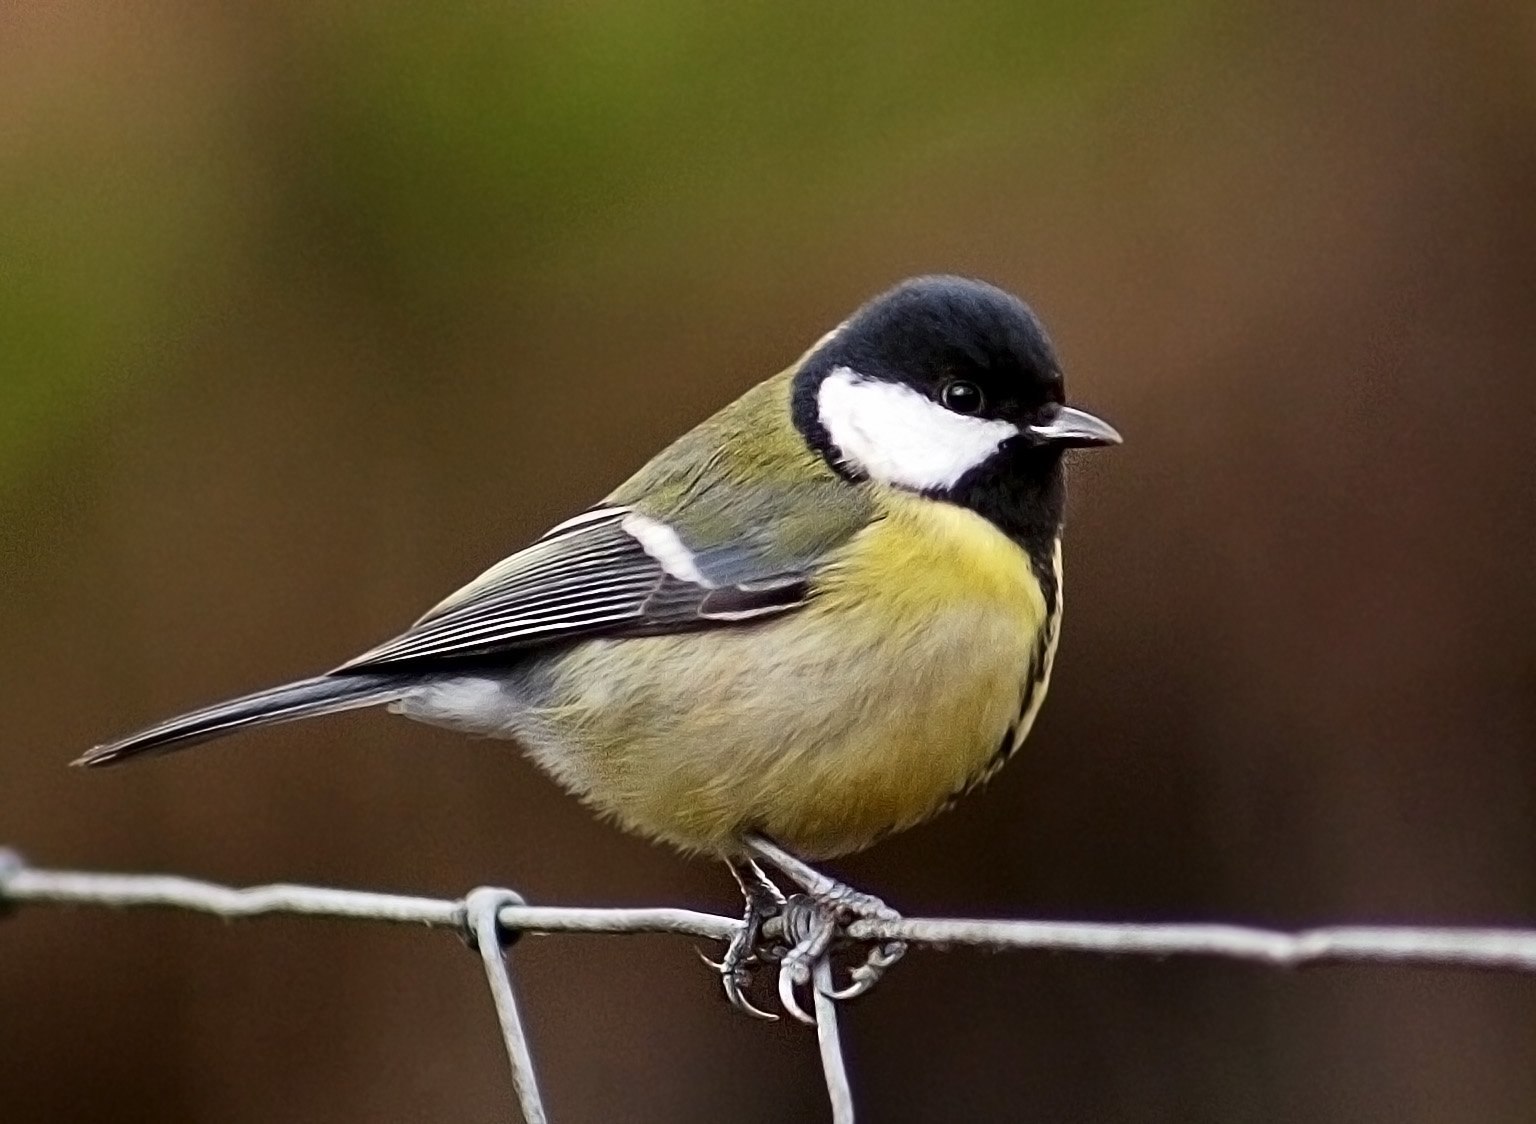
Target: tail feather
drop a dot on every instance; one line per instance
(324, 694)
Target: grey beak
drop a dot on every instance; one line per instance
(1073, 428)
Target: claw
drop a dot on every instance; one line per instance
(787, 995)
(732, 982)
(763, 901)
(733, 979)
(868, 974)
(861, 983)
(734, 974)
(812, 924)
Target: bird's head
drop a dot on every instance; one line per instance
(948, 387)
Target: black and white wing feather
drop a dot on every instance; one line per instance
(735, 522)
(609, 572)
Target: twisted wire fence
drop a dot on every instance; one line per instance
(490, 918)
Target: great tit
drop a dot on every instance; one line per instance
(817, 618)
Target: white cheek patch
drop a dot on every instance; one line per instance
(896, 435)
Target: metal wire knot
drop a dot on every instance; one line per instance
(482, 916)
(485, 933)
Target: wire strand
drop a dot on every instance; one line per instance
(482, 908)
(488, 916)
(830, 1043)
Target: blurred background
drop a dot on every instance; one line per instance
(310, 310)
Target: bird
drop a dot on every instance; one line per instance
(819, 617)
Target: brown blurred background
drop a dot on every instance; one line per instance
(310, 310)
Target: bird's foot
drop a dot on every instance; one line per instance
(815, 919)
(764, 902)
(812, 925)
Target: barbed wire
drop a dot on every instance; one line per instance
(490, 918)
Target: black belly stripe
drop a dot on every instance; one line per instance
(1044, 565)
(1032, 681)
(1050, 587)
(1033, 677)
(1042, 560)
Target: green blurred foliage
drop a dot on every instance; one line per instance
(453, 140)
(421, 149)
(94, 240)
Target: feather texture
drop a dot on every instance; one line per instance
(614, 574)
(307, 698)
(718, 530)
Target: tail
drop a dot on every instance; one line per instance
(324, 694)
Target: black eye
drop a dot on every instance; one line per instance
(962, 397)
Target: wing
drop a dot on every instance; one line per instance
(716, 531)
(610, 572)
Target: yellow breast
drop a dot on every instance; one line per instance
(969, 637)
(916, 666)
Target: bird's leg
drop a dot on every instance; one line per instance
(763, 901)
(812, 920)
